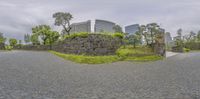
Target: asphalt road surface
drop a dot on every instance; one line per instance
(41, 75)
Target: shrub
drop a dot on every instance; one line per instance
(131, 51)
(8, 47)
(123, 52)
(186, 49)
(81, 34)
(119, 35)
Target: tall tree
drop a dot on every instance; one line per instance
(144, 33)
(135, 39)
(34, 39)
(117, 29)
(153, 29)
(63, 19)
(47, 35)
(190, 37)
(42, 31)
(179, 41)
(13, 42)
(52, 37)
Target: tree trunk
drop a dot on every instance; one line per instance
(68, 31)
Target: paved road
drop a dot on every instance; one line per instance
(41, 75)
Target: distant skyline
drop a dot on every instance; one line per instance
(19, 16)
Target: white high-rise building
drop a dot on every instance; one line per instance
(81, 27)
(132, 29)
(104, 26)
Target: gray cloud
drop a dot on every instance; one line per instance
(19, 16)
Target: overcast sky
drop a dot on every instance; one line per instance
(19, 16)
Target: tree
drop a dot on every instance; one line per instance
(34, 39)
(27, 38)
(190, 37)
(118, 29)
(179, 41)
(135, 39)
(2, 39)
(153, 29)
(151, 32)
(46, 34)
(13, 42)
(52, 37)
(63, 19)
(42, 31)
(144, 33)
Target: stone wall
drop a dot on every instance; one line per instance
(159, 46)
(93, 44)
(33, 47)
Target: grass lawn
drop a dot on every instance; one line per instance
(87, 59)
(123, 54)
(144, 58)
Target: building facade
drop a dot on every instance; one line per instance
(131, 29)
(104, 26)
(81, 27)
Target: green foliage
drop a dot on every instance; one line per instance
(87, 59)
(134, 39)
(118, 29)
(8, 47)
(85, 34)
(45, 33)
(151, 33)
(186, 49)
(52, 37)
(119, 35)
(131, 51)
(42, 31)
(81, 34)
(63, 19)
(34, 39)
(2, 39)
(105, 59)
(123, 54)
(13, 42)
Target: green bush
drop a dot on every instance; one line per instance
(119, 35)
(87, 59)
(85, 34)
(131, 51)
(8, 47)
(123, 52)
(74, 35)
(186, 49)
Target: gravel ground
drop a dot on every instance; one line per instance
(41, 75)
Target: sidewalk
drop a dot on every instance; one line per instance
(169, 54)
